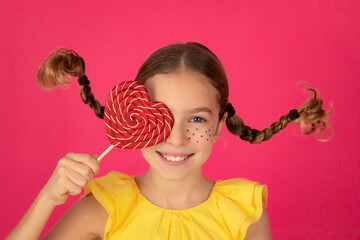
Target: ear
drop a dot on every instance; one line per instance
(219, 127)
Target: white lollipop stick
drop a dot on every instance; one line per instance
(105, 152)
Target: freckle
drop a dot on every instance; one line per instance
(201, 135)
(188, 138)
(209, 130)
(206, 131)
(210, 135)
(187, 130)
(193, 133)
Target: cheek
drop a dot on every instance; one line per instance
(148, 153)
(200, 134)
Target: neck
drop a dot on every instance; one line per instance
(182, 193)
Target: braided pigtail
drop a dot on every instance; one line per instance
(310, 112)
(88, 97)
(65, 63)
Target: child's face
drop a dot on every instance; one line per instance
(192, 132)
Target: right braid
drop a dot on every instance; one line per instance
(88, 97)
(67, 63)
(310, 112)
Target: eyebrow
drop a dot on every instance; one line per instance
(201, 109)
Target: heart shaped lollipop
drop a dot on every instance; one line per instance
(132, 120)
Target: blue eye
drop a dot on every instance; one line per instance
(200, 119)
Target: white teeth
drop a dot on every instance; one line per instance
(174, 159)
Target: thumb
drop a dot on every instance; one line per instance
(96, 157)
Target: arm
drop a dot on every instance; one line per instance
(38, 213)
(260, 230)
(86, 219)
(69, 178)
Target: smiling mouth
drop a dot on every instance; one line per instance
(175, 159)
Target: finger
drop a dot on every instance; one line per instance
(73, 189)
(87, 159)
(78, 167)
(77, 178)
(96, 156)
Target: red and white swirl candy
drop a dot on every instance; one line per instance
(132, 120)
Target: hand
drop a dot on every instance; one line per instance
(71, 175)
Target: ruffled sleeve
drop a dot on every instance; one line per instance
(241, 203)
(110, 191)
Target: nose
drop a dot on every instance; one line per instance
(178, 135)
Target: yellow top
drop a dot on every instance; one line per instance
(232, 206)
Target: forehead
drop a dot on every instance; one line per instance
(183, 90)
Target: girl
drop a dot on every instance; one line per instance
(173, 199)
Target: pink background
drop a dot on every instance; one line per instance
(266, 48)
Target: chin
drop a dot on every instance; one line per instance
(172, 175)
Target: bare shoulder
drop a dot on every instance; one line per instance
(86, 219)
(260, 230)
